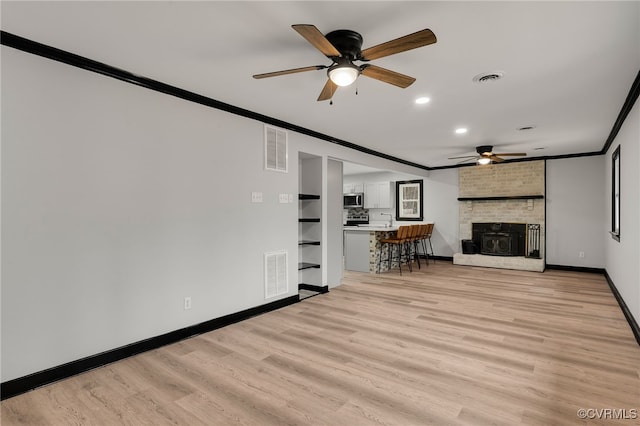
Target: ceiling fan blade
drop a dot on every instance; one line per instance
(464, 161)
(402, 44)
(387, 76)
(517, 154)
(464, 156)
(328, 90)
(496, 159)
(291, 71)
(315, 37)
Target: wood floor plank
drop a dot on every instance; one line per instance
(443, 345)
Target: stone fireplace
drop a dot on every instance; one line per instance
(502, 215)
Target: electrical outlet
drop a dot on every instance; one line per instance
(581, 255)
(256, 197)
(187, 303)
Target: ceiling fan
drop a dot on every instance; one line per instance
(486, 155)
(343, 47)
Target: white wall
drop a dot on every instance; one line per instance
(118, 202)
(576, 216)
(622, 256)
(334, 223)
(441, 207)
(381, 176)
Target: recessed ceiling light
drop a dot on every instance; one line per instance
(461, 130)
(422, 100)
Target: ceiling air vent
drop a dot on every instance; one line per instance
(488, 76)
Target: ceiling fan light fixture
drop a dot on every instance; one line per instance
(484, 161)
(344, 74)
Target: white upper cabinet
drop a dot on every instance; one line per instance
(352, 188)
(377, 195)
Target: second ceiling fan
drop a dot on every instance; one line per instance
(343, 47)
(486, 155)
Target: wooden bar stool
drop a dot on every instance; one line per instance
(397, 244)
(426, 238)
(412, 243)
(421, 230)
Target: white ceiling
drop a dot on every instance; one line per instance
(567, 66)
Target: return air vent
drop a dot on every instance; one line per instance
(276, 280)
(275, 149)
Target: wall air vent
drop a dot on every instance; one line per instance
(276, 281)
(488, 76)
(275, 149)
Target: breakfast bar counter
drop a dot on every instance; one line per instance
(362, 247)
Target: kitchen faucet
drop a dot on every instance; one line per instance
(390, 218)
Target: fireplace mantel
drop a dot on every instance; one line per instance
(508, 197)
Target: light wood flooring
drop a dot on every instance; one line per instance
(445, 345)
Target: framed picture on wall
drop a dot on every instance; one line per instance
(409, 200)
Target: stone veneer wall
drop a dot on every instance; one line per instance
(377, 251)
(495, 180)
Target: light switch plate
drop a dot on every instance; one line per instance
(256, 197)
(284, 198)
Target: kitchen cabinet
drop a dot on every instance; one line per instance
(352, 188)
(362, 247)
(356, 251)
(377, 195)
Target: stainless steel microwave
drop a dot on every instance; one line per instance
(351, 201)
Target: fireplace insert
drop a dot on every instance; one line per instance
(500, 239)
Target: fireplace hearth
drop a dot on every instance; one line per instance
(500, 239)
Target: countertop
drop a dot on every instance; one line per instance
(369, 228)
(378, 227)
